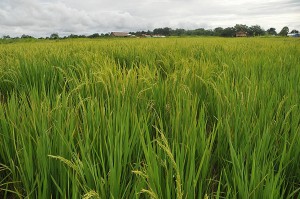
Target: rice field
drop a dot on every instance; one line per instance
(150, 118)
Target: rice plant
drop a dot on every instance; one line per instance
(150, 118)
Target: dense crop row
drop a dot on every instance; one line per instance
(150, 118)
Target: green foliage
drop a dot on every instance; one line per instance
(294, 31)
(162, 31)
(256, 31)
(272, 31)
(228, 32)
(150, 118)
(284, 31)
(54, 36)
(241, 27)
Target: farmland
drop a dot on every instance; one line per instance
(150, 118)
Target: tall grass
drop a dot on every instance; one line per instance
(150, 118)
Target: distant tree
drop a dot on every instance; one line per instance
(218, 31)
(228, 32)
(167, 31)
(203, 32)
(157, 31)
(272, 31)
(209, 32)
(162, 31)
(138, 33)
(134, 33)
(189, 32)
(199, 31)
(294, 31)
(284, 31)
(26, 36)
(178, 32)
(54, 36)
(256, 30)
(241, 27)
(95, 35)
(6, 37)
(73, 36)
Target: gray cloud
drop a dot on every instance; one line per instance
(43, 17)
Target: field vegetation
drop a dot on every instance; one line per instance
(150, 118)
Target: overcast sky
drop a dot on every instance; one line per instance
(43, 17)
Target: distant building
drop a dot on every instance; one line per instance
(241, 34)
(293, 35)
(145, 35)
(158, 36)
(121, 34)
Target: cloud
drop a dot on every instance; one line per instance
(43, 17)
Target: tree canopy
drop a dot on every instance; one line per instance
(54, 36)
(284, 31)
(252, 31)
(272, 31)
(295, 31)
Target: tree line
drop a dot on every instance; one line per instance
(254, 30)
(54, 36)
